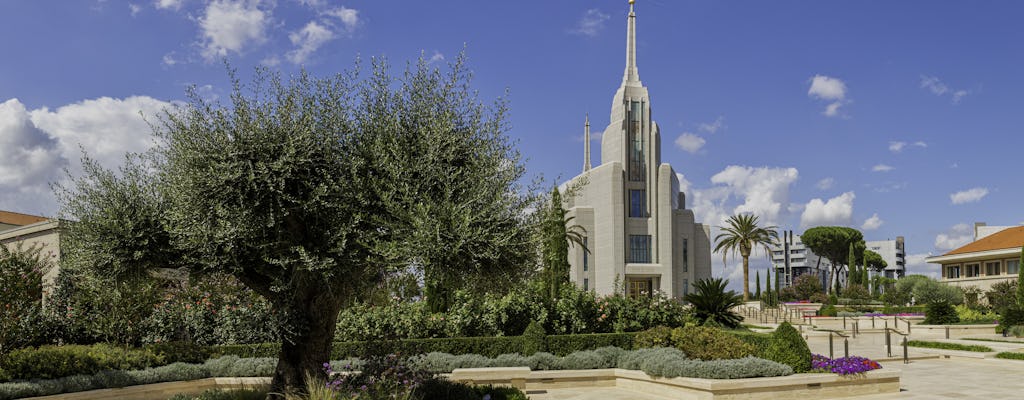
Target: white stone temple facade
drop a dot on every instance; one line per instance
(640, 236)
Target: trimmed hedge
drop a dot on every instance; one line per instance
(485, 346)
(661, 361)
(1010, 355)
(788, 347)
(949, 346)
(49, 362)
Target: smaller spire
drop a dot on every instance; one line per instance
(631, 74)
(586, 142)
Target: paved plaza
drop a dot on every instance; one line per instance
(929, 375)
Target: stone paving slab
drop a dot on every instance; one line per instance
(609, 393)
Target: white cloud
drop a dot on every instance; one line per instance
(937, 87)
(934, 85)
(690, 143)
(825, 184)
(958, 235)
(169, 4)
(36, 145)
(897, 146)
(872, 223)
(712, 127)
(958, 95)
(231, 25)
(436, 57)
(968, 196)
(764, 191)
(829, 89)
(349, 17)
(591, 23)
(684, 184)
(835, 211)
(29, 157)
(917, 266)
(882, 168)
(169, 59)
(134, 8)
(308, 40)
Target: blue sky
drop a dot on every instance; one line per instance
(897, 118)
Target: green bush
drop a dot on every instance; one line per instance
(534, 338)
(565, 344)
(789, 348)
(706, 343)
(827, 310)
(48, 362)
(940, 313)
(172, 352)
(967, 314)
(21, 294)
(712, 303)
(1010, 355)
(893, 310)
(667, 362)
(659, 336)
(949, 346)
(759, 341)
(1016, 331)
(221, 394)
(1012, 315)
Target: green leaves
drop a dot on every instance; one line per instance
(740, 236)
(712, 303)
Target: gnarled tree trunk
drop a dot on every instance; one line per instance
(304, 353)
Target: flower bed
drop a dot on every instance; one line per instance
(843, 365)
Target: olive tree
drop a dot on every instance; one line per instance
(312, 191)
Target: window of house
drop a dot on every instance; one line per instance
(686, 286)
(686, 255)
(953, 272)
(796, 260)
(993, 268)
(973, 270)
(640, 287)
(1012, 267)
(795, 251)
(640, 249)
(777, 253)
(586, 284)
(638, 203)
(586, 254)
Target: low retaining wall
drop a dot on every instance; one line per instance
(955, 331)
(162, 391)
(793, 386)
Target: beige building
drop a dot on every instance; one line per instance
(29, 231)
(640, 235)
(990, 258)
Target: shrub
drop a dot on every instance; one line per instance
(857, 293)
(659, 336)
(807, 286)
(21, 295)
(1012, 315)
(534, 339)
(967, 314)
(940, 313)
(172, 352)
(789, 348)
(707, 343)
(817, 297)
(48, 362)
(1003, 294)
(949, 346)
(827, 310)
(711, 302)
(1010, 355)
(1016, 331)
(233, 366)
(759, 341)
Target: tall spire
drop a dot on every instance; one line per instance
(586, 144)
(631, 74)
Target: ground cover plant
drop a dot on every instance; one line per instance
(843, 365)
(660, 361)
(949, 346)
(1010, 355)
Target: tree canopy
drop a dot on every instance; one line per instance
(312, 191)
(833, 243)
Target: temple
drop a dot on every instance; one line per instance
(640, 236)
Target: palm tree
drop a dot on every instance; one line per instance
(742, 235)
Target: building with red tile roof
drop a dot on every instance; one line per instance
(987, 260)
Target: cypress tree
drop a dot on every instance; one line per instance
(853, 277)
(768, 285)
(757, 284)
